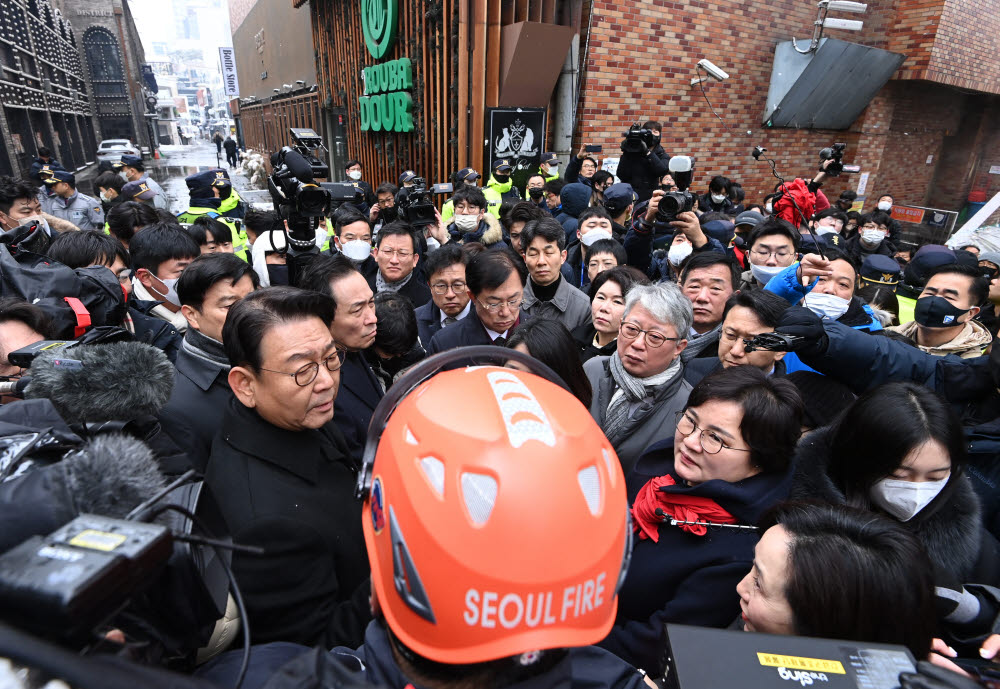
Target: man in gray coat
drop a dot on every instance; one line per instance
(639, 389)
(548, 295)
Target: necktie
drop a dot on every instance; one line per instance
(500, 341)
(448, 320)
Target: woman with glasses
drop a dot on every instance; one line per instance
(283, 476)
(696, 498)
(640, 387)
(608, 291)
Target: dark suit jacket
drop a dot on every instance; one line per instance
(428, 321)
(468, 331)
(696, 369)
(197, 404)
(357, 398)
(292, 494)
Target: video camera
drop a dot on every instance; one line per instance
(416, 206)
(836, 154)
(299, 200)
(638, 140)
(682, 200)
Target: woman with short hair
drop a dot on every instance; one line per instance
(696, 499)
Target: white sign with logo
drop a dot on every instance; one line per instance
(229, 81)
(862, 183)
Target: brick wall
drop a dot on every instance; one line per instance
(642, 57)
(239, 9)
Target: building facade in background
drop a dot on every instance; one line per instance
(44, 97)
(929, 136)
(112, 55)
(276, 66)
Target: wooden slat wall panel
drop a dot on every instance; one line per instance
(265, 126)
(454, 46)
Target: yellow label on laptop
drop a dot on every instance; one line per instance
(97, 540)
(798, 663)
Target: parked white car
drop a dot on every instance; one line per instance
(112, 150)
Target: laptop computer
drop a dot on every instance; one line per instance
(706, 658)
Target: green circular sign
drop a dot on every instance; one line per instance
(378, 23)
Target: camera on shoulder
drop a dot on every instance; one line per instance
(638, 140)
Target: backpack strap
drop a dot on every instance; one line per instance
(83, 320)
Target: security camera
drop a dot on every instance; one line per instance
(712, 70)
(286, 86)
(300, 83)
(276, 90)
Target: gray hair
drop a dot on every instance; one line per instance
(665, 302)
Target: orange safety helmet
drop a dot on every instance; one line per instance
(495, 515)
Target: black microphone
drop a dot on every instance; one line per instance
(116, 381)
(298, 165)
(109, 475)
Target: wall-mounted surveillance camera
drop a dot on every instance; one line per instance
(286, 86)
(712, 70)
(299, 82)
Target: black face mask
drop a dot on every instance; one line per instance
(536, 193)
(277, 274)
(501, 179)
(937, 312)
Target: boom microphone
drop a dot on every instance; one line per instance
(298, 165)
(116, 381)
(109, 475)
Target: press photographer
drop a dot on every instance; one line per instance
(643, 160)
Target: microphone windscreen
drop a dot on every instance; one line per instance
(119, 381)
(298, 165)
(111, 474)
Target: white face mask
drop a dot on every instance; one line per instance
(763, 274)
(594, 236)
(553, 169)
(356, 249)
(171, 294)
(826, 305)
(123, 176)
(872, 237)
(354, 174)
(467, 223)
(904, 499)
(104, 197)
(825, 229)
(718, 198)
(678, 252)
(884, 205)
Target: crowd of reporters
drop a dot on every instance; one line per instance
(802, 405)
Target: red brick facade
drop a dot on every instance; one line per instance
(641, 58)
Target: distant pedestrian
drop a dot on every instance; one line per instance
(218, 142)
(231, 156)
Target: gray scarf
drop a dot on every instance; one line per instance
(634, 390)
(383, 285)
(203, 347)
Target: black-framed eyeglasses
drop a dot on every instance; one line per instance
(630, 331)
(307, 373)
(710, 441)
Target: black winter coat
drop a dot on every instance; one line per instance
(154, 331)
(292, 494)
(584, 336)
(197, 404)
(684, 578)
(953, 535)
(359, 394)
(644, 171)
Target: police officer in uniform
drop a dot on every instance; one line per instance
(134, 171)
(212, 194)
(70, 205)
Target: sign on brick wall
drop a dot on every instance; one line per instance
(908, 214)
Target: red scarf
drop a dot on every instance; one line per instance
(683, 508)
